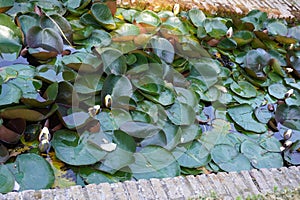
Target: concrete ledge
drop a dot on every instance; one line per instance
(223, 185)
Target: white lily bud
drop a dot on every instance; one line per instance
(288, 143)
(289, 70)
(282, 148)
(229, 32)
(108, 101)
(44, 134)
(287, 134)
(176, 8)
(289, 93)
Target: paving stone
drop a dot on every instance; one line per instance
(77, 193)
(92, 191)
(133, 192)
(296, 172)
(46, 194)
(261, 182)
(159, 191)
(12, 196)
(105, 191)
(119, 191)
(219, 186)
(145, 189)
(269, 179)
(239, 183)
(61, 194)
(207, 185)
(290, 177)
(186, 187)
(196, 186)
(226, 180)
(280, 179)
(249, 182)
(173, 189)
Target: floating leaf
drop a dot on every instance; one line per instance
(103, 15)
(77, 150)
(242, 116)
(292, 154)
(7, 180)
(277, 90)
(140, 129)
(197, 17)
(243, 37)
(243, 89)
(289, 116)
(181, 114)
(32, 172)
(154, 162)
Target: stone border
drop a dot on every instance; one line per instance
(274, 8)
(222, 185)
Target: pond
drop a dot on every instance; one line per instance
(92, 93)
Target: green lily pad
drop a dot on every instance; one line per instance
(139, 129)
(154, 162)
(229, 159)
(6, 5)
(243, 89)
(32, 172)
(114, 62)
(215, 27)
(78, 150)
(103, 15)
(46, 38)
(277, 90)
(192, 155)
(227, 44)
(163, 49)
(181, 114)
(242, 116)
(292, 154)
(277, 28)
(81, 61)
(288, 116)
(7, 180)
(197, 17)
(259, 157)
(243, 37)
(148, 17)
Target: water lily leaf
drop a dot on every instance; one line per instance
(139, 129)
(76, 119)
(126, 29)
(10, 37)
(262, 114)
(227, 44)
(173, 26)
(47, 39)
(181, 114)
(93, 176)
(27, 21)
(215, 27)
(229, 159)
(288, 116)
(126, 146)
(7, 180)
(26, 113)
(32, 172)
(243, 89)
(277, 28)
(163, 49)
(12, 131)
(61, 25)
(242, 116)
(114, 62)
(9, 94)
(166, 97)
(259, 157)
(294, 99)
(277, 90)
(148, 19)
(77, 150)
(243, 37)
(292, 154)
(192, 155)
(103, 15)
(197, 17)
(154, 162)
(294, 32)
(256, 17)
(53, 7)
(5, 5)
(81, 61)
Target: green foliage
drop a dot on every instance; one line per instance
(140, 94)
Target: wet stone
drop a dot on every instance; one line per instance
(159, 191)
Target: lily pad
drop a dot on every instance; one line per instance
(277, 90)
(288, 116)
(154, 162)
(77, 150)
(7, 180)
(103, 15)
(181, 114)
(32, 172)
(292, 154)
(242, 116)
(243, 89)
